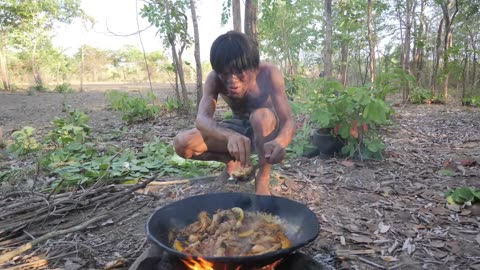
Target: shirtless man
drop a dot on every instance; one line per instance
(262, 119)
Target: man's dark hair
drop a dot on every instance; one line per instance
(234, 49)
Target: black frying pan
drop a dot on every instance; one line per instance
(302, 226)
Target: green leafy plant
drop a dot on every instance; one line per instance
(353, 114)
(471, 101)
(172, 104)
(25, 142)
(393, 81)
(301, 141)
(64, 88)
(38, 88)
(134, 109)
(82, 164)
(463, 195)
(72, 128)
(421, 96)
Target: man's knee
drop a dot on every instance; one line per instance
(263, 120)
(262, 115)
(180, 143)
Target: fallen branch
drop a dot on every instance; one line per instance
(182, 181)
(30, 265)
(371, 263)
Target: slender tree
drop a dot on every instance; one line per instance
(171, 21)
(406, 47)
(371, 43)
(251, 15)
(236, 15)
(447, 40)
(198, 62)
(328, 39)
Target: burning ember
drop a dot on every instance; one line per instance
(202, 264)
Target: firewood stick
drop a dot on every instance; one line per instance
(182, 181)
(30, 265)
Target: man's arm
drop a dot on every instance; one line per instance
(237, 145)
(206, 109)
(282, 108)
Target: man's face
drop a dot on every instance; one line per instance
(236, 82)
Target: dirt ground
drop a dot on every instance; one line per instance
(388, 214)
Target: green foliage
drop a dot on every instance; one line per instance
(73, 128)
(421, 96)
(471, 101)
(37, 88)
(226, 11)
(463, 195)
(170, 20)
(82, 164)
(393, 81)
(172, 104)
(287, 28)
(301, 141)
(25, 142)
(133, 109)
(354, 114)
(64, 88)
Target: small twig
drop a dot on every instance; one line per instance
(371, 263)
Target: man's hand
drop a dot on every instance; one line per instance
(273, 152)
(239, 148)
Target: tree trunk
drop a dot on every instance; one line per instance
(474, 63)
(328, 39)
(344, 63)
(250, 27)
(447, 42)
(436, 63)
(36, 75)
(236, 15)
(174, 58)
(420, 39)
(82, 66)
(465, 77)
(4, 68)
(406, 50)
(149, 75)
(400, 27)
(177, 60)
(198, 61)
(371, 44)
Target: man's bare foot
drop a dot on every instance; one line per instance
(262, 191)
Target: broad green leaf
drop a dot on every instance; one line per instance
(446, 172)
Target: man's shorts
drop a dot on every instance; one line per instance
(239, 125)
(242, 125)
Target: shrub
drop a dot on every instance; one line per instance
(133, 109)
(421, 96)
(25, 142)
(471, 101)
(353, 114)
(37, 88)
(73, 128)
(64, 88)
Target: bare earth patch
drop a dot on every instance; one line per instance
(388, 214)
